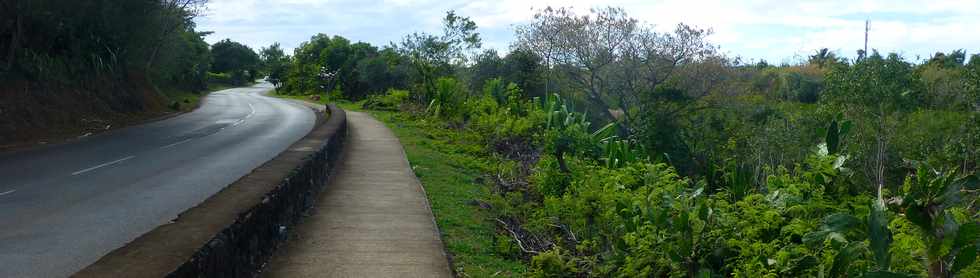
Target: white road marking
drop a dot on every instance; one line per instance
(79, 172)
(235, 123)
(250, 113)
(8, 192)
(177, 143)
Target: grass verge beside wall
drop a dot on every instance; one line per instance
(449, 169)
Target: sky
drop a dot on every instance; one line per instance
(777, 31)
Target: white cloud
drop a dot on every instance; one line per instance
(755, 29)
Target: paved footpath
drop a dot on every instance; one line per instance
(372, 220)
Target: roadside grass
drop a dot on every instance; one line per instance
(188, 101)
(214, 87)
(449, 164)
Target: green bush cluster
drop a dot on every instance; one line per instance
(237, 61)
(390, 101)
(102, 46)
(327, 63)
(221, 78)
(604, 209)
(643, 220)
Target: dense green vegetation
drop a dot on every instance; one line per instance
(74, 42)
(608, 149)
(236, 64)
(72, 67)
(330, 63)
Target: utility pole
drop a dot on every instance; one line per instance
(867, 27)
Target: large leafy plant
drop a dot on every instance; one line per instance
(849, 239)
(570, 135)
(447, 98)
(931, 199)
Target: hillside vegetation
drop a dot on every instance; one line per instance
(607, 149)
(73, 67)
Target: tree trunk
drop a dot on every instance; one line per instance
(149, 61)
(936, 269)
(560, 156)
(14, 41)
(692, 268)
(596, 96)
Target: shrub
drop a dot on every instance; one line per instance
(221, 78)
(390, 101)
(501, 123)
(552, 264)
(447, 100)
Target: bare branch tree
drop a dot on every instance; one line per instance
(615, 59)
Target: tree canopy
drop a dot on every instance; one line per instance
(236, 59)
(274, 62)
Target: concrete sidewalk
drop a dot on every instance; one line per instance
(372, 220)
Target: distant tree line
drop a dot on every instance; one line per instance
(357, 70)
(234, 63)
(335, 65)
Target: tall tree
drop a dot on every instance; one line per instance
(614, 58)
(274, 61)
(486, 66)
(432, 55)
(236, 59)
(524, 68)
(875, 90)
(173, 17)
(585, 46)
(824, 58)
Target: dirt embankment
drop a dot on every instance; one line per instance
(33, 113)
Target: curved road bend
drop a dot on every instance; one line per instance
(63, 207)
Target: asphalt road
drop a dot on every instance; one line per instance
(63, 207)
